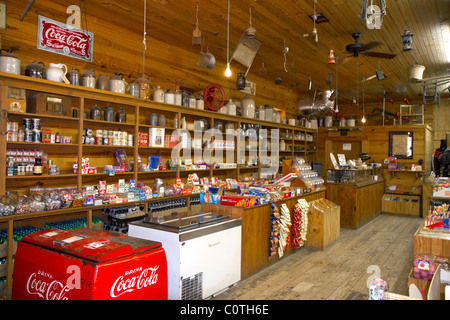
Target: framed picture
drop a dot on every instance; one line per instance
(401, 144)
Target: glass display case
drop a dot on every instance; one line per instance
(350, 176)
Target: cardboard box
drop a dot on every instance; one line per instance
(143, 139)
(17, 100)
(156, 137)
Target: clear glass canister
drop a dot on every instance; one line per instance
(144, 88)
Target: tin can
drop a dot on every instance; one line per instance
(36, 124)
(28, 135)
(12, 126)
(20, 135)
(88, 133)
(37, 136)
(105, 141)
(27, 124)
(14, 136)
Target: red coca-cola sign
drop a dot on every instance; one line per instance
(62, 39)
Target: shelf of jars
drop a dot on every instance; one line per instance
(92, 111)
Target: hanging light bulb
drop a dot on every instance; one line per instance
(363, 120)
(228, 69)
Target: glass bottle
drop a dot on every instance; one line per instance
(37, 170)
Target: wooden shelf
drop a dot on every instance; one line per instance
(137, 110)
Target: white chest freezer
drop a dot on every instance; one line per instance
(203, 252)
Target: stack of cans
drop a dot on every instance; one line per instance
(32, 130)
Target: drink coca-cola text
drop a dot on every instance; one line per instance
(132, 281)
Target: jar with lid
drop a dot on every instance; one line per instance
(88, 78)
(169, 97)
(144, 87)
(8, 204)
(108, 113)
(192, 101)
(153, 119)
(74, 76)
(158, 94)
(96, 112)
(121, 115)
(35, 70)
(117, 83)
(133, 89)
(200, 103)
(23, 205)
(177, 97)
(162, 120)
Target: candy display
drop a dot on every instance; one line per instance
(378, 289)
(438, 217)
(299, 223)
(275, 231)
(285, 223)
(424, 266)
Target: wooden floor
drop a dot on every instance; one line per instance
(340, 271)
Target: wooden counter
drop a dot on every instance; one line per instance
(359, 203)
(256, 226)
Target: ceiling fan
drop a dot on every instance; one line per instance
(358, 48)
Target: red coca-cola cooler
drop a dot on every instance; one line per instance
(86, 264)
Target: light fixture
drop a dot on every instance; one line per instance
(407, 40)
(250, 32)
(314, 32)
(363, 120)
(228, 69)
(331, 59)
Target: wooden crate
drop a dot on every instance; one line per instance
(323, 227)
(431, 245)
(424, 285)
(407, 204)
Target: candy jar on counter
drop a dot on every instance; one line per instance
(23, 205)
(8, 204)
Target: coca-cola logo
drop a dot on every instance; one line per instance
(42, 284)
(132, 280)
(60, 38)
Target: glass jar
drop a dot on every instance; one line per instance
(162, 120)
(121, 115)
(144, 88)
(192, 101)
(23, 205)
(8, 205)
(133, 89)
